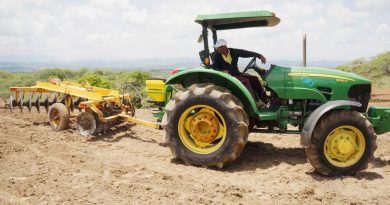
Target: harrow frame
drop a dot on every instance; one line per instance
(108, 107)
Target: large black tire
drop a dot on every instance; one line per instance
(59, 116)
(341, 125)
(231, 111)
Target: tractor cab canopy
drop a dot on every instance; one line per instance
(225, 21)
(236, 20)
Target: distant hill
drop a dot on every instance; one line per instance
(376, 69)
(144, 64)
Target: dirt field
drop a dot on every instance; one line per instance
(129, 166)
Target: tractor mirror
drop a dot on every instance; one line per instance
(200, 39)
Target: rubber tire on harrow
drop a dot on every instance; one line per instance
(62, 112)
(335, 119)
(222, 101)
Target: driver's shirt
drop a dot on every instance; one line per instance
(227, 58)
(229, 62)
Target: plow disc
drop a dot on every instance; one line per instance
(86, 124)
(46, 102)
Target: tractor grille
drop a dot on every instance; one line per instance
(360, 93)
(327, 92)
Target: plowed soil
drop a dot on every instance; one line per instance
(129, 165)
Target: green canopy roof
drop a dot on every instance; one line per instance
(236, 20)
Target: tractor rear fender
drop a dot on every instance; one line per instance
(192, 76)
(312, 120)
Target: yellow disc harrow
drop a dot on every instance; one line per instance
(105, 107)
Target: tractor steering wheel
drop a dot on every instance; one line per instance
(253, 65)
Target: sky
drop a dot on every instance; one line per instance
(112, 30)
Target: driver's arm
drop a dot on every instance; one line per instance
(248, 54)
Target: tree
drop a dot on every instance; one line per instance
(136, 77)
(62, 74)
(82, 72)
(95, 80)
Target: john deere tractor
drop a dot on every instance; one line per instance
(207, 114)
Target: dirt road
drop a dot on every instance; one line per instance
(129, 166)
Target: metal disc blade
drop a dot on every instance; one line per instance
(38, 105)
(63, 99)
(55, 99)
(29, 105)
(77, 102)
(46, 104)
(71, 104)
(20, 104)
(11, 101)
(86, 124)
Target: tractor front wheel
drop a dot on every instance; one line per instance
(205, 125)
(343, 142)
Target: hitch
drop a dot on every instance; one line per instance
(379, 117)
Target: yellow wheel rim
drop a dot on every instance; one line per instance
(344, 146)
(202, 129)
(56, 118)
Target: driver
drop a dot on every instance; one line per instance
(226, 60)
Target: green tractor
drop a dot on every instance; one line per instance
(207, 114)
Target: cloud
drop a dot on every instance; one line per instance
(377, 5)
(122, 29)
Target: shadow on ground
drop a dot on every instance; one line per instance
(367, 175)
(378, 162)
(116, 133)
(265, 155)
(256, 155)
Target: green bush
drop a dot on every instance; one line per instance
(82, 72)
(62, 74)
(95, 80)
(136, 77)
(4, 74)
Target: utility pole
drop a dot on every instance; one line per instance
(304, 50)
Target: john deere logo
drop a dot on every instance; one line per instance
(307, 81)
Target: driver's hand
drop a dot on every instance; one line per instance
(225, 71)
(262, 58)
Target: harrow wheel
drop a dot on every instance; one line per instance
(59, 116)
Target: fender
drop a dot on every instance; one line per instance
(312, 120)
(201, 75)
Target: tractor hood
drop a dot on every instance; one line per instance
(314, 83)
(327, 73)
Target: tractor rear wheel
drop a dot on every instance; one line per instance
(343, 142)
(205, 125)
(59, 117)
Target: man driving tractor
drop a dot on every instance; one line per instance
(226, 60)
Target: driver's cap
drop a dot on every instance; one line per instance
(219, 43)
